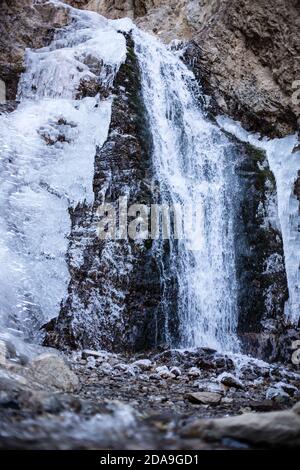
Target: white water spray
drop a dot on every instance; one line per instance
(190, 165)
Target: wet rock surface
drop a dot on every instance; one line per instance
(116, 289)
(149, 402)
(243, 52)
(24, 25)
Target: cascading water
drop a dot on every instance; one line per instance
(191, 168)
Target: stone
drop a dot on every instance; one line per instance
(194, 372)
(176, 371)
(86, 353)
(230, 380)
(296, 408)
(91, 362)
(205, 398)
(291, 390)
(143, 364)
(12, 381)
(50, 371)
(209, 386)
(126, 369)
(277, 394)
(164, 372)
(264, 405)
(276, 428)
(106, 368)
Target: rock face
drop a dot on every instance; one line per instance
(262, 284)
(247, 60)
(244, 52)
(115, 292)
(24, 25)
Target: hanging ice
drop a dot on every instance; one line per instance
(285, 165)
(47, 149)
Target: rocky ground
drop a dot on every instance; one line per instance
(166, 400)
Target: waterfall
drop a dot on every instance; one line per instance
(47, 164)
(47, 158)
(192, 170)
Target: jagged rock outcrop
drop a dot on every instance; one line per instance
(260, 270)
(115, 291)
(24, 24)
(245, 52)
(247, 61)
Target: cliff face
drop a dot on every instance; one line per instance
(117, 289)
(245, 52)
(24, 25)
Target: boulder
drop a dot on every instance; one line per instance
(50, 371)
(230, 381)
(204, 398)
(276, 428)
(143, 364)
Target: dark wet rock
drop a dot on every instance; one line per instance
(202, 358)
(230, 381)
(278, 428)
(264, 405)
(205, 398)
(93, 294)
(273, 345)
(259, 249)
